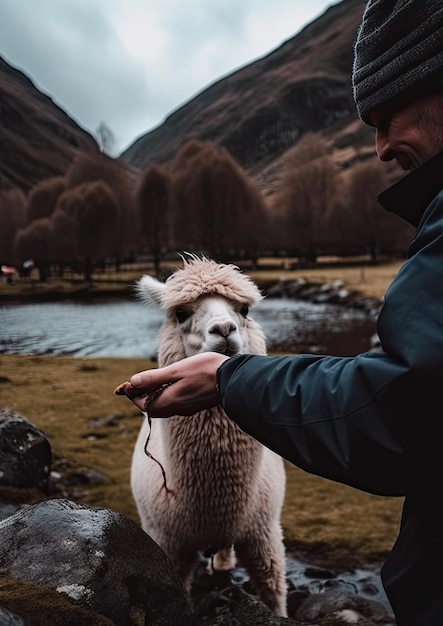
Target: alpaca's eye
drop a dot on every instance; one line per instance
(244, 310)
(181, 315)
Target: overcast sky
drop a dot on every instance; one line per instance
(130, 63)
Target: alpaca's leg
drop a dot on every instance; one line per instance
(184, 561)
(263, 556)
(223, 560)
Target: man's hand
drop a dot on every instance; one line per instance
(182, 388)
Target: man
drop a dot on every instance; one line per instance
(374, 421)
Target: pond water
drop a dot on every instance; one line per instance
(123, 329)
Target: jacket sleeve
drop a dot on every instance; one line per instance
(357, 420)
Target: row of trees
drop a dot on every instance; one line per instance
(320, 208)
(201, 202)
(81, 218)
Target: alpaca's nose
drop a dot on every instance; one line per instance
(224, 329)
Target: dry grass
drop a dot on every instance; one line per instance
(67, 397)
(322, 516)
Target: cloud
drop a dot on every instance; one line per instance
(130, 63)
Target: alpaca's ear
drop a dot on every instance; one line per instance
(149, 290)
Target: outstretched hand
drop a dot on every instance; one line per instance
(182, 388)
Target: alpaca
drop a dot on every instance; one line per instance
(214, 489)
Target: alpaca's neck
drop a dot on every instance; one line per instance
(208, 435)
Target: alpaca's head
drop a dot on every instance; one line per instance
(207, 308)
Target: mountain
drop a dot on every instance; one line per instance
(260, 110)
(37, 138)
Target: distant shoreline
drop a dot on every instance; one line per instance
(315, 292)
(77, 295)
(364, 280)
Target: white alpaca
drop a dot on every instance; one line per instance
(221, 491)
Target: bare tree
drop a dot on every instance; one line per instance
(307, 198)
(95, 209)
(187, 151)
(34, 241)
(64, 244)
(43, 198)
(12, 217)
(88, 167)
(372, 228)
(218, 208)
(311, 146)
(105, 139)
(153, 199)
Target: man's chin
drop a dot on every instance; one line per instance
(405, 163)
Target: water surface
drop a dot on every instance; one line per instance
(130, 330)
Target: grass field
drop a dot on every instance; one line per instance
(71, 399)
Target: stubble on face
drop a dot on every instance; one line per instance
(429, 122)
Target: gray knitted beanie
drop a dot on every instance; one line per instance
(398, 53)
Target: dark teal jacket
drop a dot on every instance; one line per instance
(373, 421)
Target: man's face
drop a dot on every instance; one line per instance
(411, 134)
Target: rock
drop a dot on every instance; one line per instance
(74, 565)
(6, 510)
(97, 558)
(241, 609)
(30, 604)
(322, 293)
(7, 618)
(316, 597)
(337, 607)
(107, 420)
(25, 452)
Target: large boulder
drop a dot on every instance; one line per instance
(97, 558)
(25, 452)
(24, 603)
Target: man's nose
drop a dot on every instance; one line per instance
(382, 146)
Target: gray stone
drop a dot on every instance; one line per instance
(7, 618)
(98, 558)
(25, 452)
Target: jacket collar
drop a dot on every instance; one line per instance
(410, 196)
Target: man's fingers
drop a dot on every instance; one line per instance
(143, 394)
(126, 389)
(122, 389)
(153, 379)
